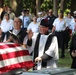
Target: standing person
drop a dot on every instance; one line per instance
(26, 20)
(34, 26)
(51, 18)
(11, 13)
(5, 8)
(59, 27)
(22, 15)
(39, 17)
(68, 19)
(6, 25)
(44, 47)
(19, 34)
(73, 25)
(2, 35)
(73, 51)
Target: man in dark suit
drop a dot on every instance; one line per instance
(17, 34)
(51, 18)
(73, 51)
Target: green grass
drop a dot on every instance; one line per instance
(65, 62)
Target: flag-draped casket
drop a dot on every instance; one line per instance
(13, 56)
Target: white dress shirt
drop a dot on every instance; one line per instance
(16, 32)
(26, 21)
(34, 27)
(72, 25)
(68, 20)
(21, 17)
(60, 25)
(7, 25)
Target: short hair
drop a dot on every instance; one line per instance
(18, 19)
(61, 11)
(6, 14)
(68, 13)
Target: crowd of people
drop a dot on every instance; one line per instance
(43, 35)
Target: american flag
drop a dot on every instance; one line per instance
(13, 56)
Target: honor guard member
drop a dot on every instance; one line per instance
(26, 20)
(59, 27)
(44, 47)
(6, 25)
(51, 18)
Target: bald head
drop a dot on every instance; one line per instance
(17, 23)
(50, 12)
(18, 19)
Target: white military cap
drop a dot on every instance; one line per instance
(74, 12)
(39, 13)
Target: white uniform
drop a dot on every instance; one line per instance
(60, 25)
(34, 27)
(7, 25)
(72, 25)
(68, 20)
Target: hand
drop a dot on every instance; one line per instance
(24, 45)
(30, 34)
(73, 53)
(15, 41)
(38, 59)
(10, 39)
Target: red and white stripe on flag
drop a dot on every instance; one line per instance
(14, 56)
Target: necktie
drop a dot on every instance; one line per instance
(23, 22)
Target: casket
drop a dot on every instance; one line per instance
(13, 57)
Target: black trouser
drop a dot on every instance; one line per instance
(60, 37)
(67, 37)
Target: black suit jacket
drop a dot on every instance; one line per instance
(20, 36)
(72, 48)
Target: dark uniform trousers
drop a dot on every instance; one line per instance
(61, 42)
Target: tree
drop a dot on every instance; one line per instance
(1, 3)
(55, 7)
(38, 6)
(73, 6)
(46, 5)
(17, 6)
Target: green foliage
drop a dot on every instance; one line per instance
(47, 4)
(6, 2)
(31, 4)
(68, 3)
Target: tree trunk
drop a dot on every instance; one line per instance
(17, 6)
(1, 3)
(63, 4)
(38, 5)
(55, 7)
(73, 6)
